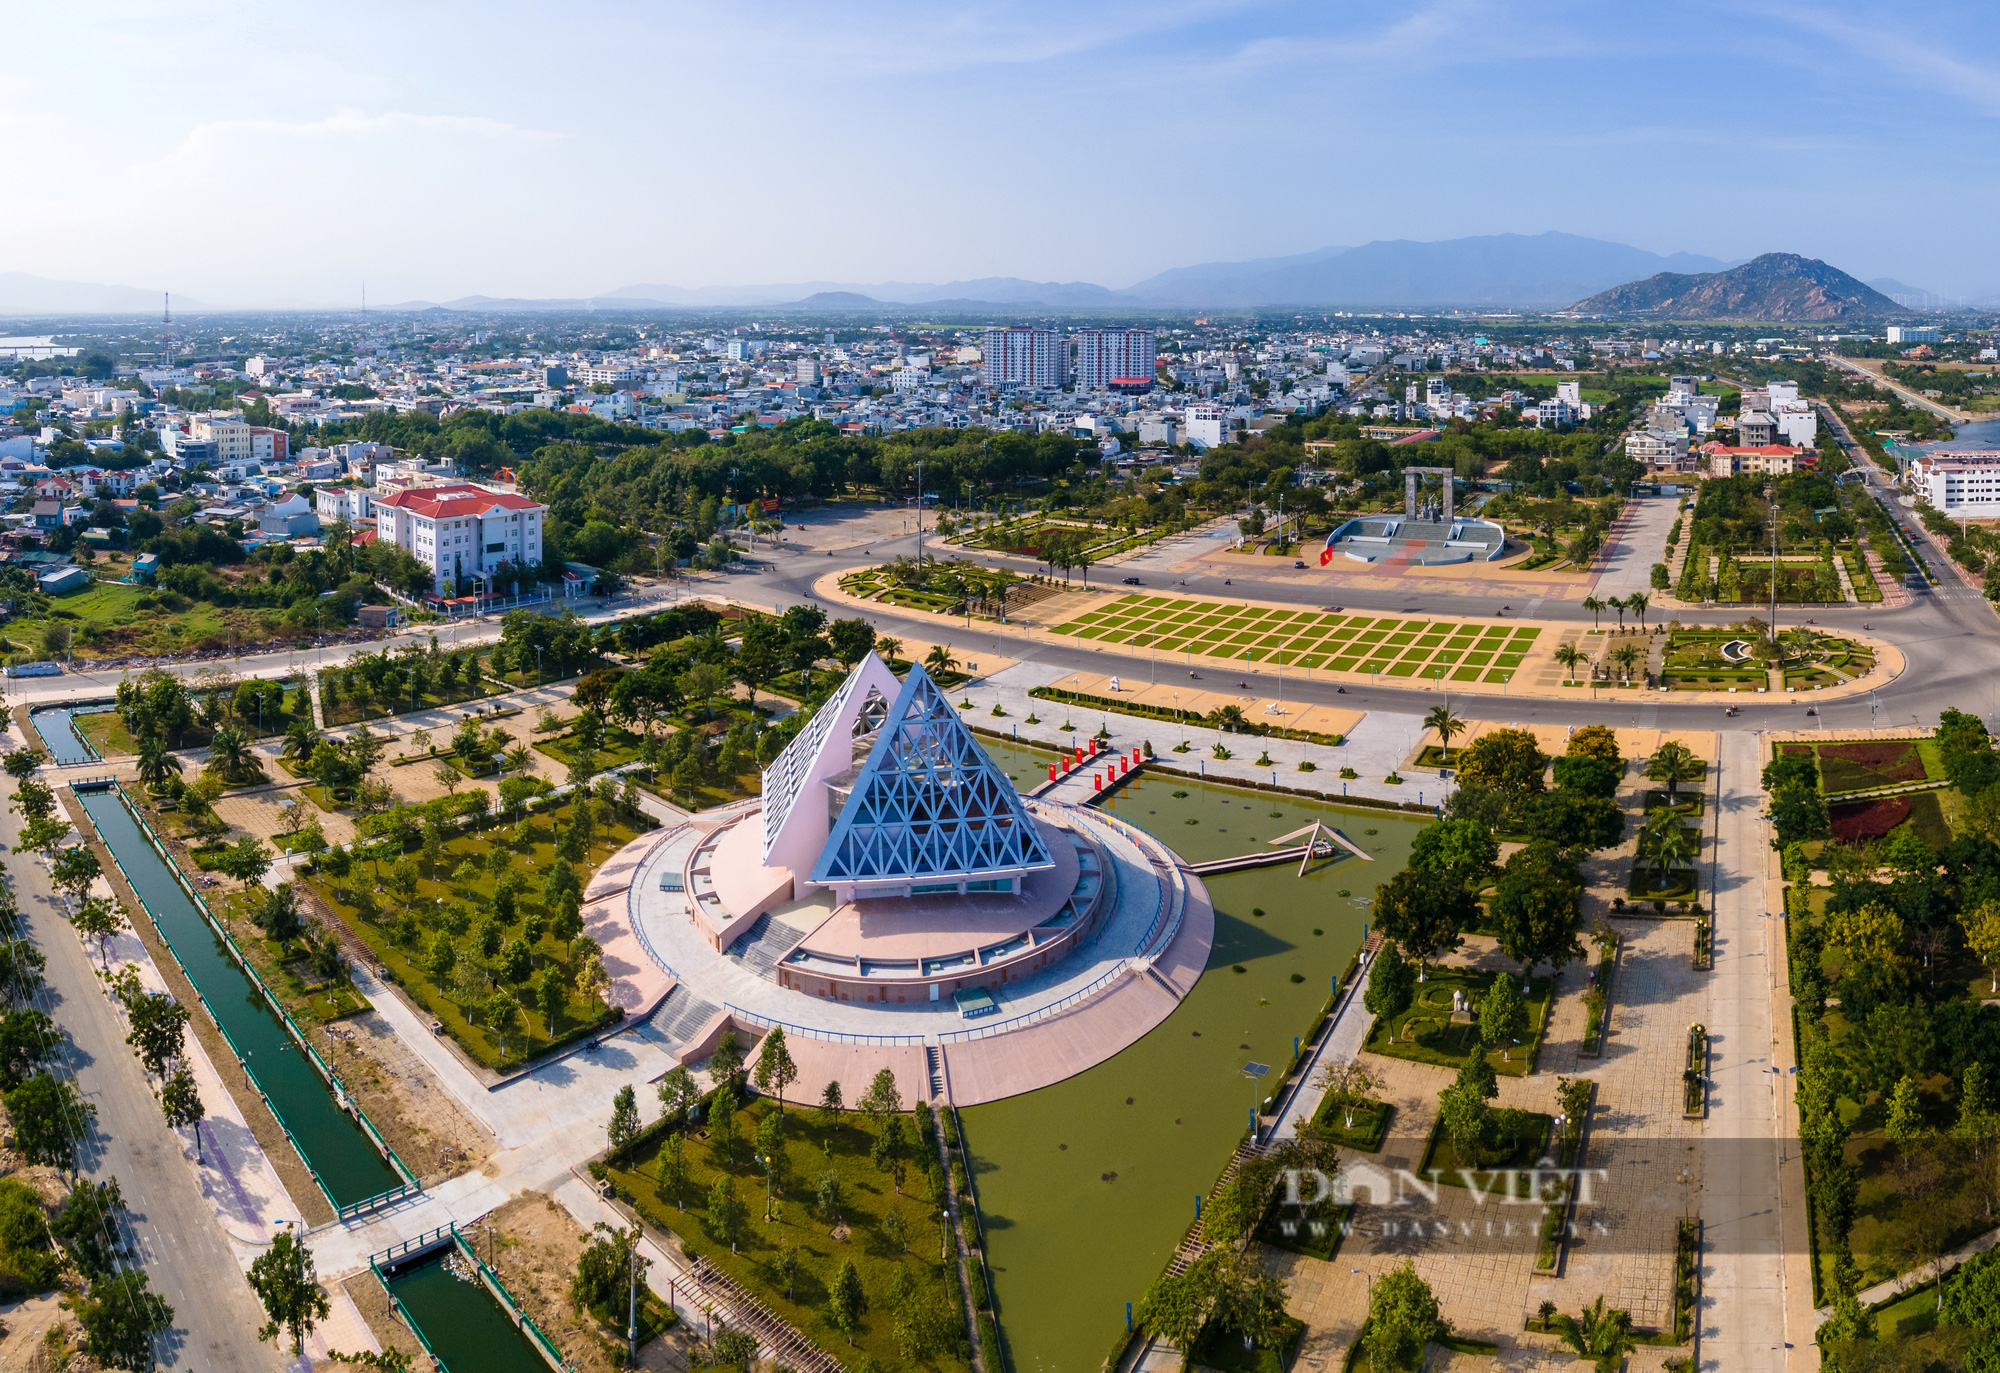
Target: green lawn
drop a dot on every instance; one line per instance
(401, 938)
(812, 1149)
(1512, 1141)
(621, 746)
(105, 729)
(1425, 1033)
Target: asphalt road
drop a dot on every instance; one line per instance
(1948, 634)
(172, 1229)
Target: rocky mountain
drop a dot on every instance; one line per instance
(1486, 270)
(1781, 287)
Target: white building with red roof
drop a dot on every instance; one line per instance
(462, 529)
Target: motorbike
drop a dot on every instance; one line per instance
(1340, 691)
(1225, 581)
(1812, 710)
(1729, 710)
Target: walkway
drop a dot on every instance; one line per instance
(1745, 1232)
(187, 1257)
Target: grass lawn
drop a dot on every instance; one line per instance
(621, 746)
(306, 994)
(1221, 1350)
(1681, 884)
(1371, 1123)
(1425, 1033)
(1513, 1142)
(105, 729)
(401, 938)
(1884, 1212)
(813, 1148)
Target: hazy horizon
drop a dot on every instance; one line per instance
(241, 156)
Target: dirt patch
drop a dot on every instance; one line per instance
(422, 1121)
(372, 1301)
(36, 1334)
(535, 1248)
(1858, 820)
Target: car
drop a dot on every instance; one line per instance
(1297, 563)
(1133, 581)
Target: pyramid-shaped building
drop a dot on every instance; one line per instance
(913, 804)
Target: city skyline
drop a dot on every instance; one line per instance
(416, 152)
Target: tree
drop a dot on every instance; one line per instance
(1594, 741)
(74, 870)
(50, 1117)
(21, 763)
(939, 661)
(675, 1174)
(180, 1103)
(1448, 723)
(605, 1270)
(1982, 935)
(726, 1212)
(27, 1038)
(247, 861)
(845, 1301)
(1538, 906)
(882, 1099)
(1569, 656)
(89, 1225)
(1869, 934)
(120, 1317)
(1345, 1080)
(1797, 814)
(1503, 1016)
(678, 1092)
(229, 754)
(550, 996)
(1588, 776)
(850, 640)
(1391, 983)
(1403, 1317)
(727, 1060)
(1464, 1115)
(1604, 1337)
(830, 1104)
(1573, 821)
(1425, 913)
(775, 1069)
(97, 918)
(1508, 760)
(891, 1149)
(159, 1030)
(1905, 1124)
(1459, 852)
(1674, 765)
(1176, 1307)
(624, 1126)
(282, 1277)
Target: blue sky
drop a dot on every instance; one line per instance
(266, 153)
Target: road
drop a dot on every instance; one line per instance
(1943, 412)
(172, 1227)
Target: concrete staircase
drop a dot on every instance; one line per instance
(681, 1014)
(763, 946)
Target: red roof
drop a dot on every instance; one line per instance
(457, 498)
(363, 537)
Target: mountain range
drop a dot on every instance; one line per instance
(1488, 272)
(1781, 287)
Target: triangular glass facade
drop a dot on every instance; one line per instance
(858, 702)
(929, 804)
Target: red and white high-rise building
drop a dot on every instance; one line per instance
(1107, 355)
(462, 529)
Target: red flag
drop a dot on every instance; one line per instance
(1325, 556)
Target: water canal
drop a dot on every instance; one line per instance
(350, 1167)
(55, 725)
(459, 1318)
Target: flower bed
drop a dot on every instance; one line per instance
(1852, 821)
(1867, 763)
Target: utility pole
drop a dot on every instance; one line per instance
(920, 514)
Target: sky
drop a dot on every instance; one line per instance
(274, 154)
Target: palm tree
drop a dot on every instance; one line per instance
(1569, 655)
(888, 648)
(1604, 1337)
(300, 741)
(1595, 607)
(1627, 656)
(1617, 603)
(1674, 764)
(1447, 723)
(229, 752)
(1672, 843)
(939, 660)
(156, 764)
(1637, 603)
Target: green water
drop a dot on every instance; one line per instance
(1028, 767)
(1070, 1246)
(346, 1161)
(463, 1322)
